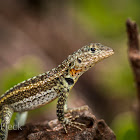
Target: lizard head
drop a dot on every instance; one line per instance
(88, 56)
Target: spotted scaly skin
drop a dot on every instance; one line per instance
(46, 87)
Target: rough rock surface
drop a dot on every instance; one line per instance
(51, 130)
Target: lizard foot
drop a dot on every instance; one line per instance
(70, 121)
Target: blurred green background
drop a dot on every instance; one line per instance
(36, 36)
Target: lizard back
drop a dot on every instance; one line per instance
(36, 91)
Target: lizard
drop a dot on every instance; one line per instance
(44, 88)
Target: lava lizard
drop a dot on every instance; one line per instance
(44, 88)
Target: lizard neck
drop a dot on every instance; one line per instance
(71, 77)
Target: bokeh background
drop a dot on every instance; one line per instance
(37, 35)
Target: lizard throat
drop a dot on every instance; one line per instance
(75, 73)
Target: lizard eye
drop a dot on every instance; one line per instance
(93, 50)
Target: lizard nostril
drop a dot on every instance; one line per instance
(108, 49)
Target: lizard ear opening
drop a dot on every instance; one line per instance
(79, 60)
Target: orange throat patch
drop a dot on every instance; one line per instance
(74, 72)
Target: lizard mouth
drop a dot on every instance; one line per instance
(104, 54)
(107, 53)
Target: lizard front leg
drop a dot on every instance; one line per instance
(6, 115)
(62, 110)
